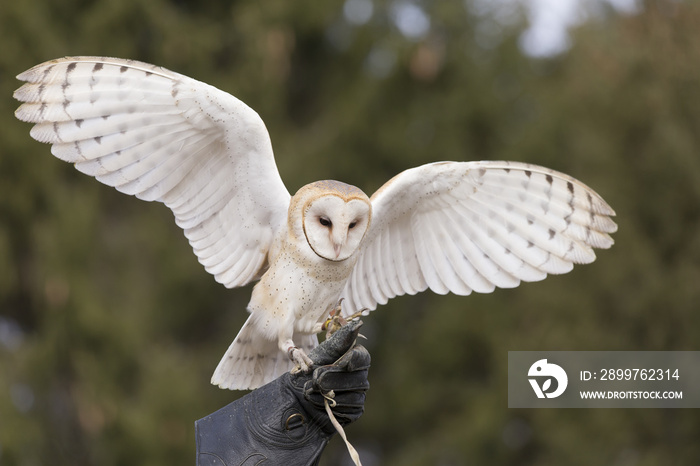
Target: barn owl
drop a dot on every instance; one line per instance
(449, 226)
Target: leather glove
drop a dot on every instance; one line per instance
(285, 422)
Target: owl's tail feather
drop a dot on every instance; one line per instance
(252, 360)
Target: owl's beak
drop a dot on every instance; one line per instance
(338, 238)
(336, 248)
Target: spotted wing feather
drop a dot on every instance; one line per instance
(162, 136)
(473, 226)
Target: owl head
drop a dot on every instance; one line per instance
(334, 218)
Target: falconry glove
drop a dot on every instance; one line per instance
(285, 422)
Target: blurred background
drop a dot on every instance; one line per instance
(110, 329)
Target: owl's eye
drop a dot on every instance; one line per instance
(352, 225)
(325, 222)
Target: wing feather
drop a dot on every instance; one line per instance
(391, 247)
(359, 293)
(387, 273)
(451, 272)
(400, 259)
(492, 259)
(463, 226)
(375, 268)
(162, 136)
(191, 203)
(492, 243)
(428, 253)
(480, 252)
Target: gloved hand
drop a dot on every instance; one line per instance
(285, 421)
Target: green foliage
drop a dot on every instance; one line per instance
(110, 329)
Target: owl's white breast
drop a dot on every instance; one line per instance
(299, 289)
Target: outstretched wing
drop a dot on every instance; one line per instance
(472, 226)
(162, 136)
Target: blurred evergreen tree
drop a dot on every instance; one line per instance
(110, 329)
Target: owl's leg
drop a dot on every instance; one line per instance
(301, 361)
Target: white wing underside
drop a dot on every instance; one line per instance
(449, 226)
(473, 226)
(162, 136)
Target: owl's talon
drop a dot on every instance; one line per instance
(357, 315)
(336, 320)
(302, 362)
